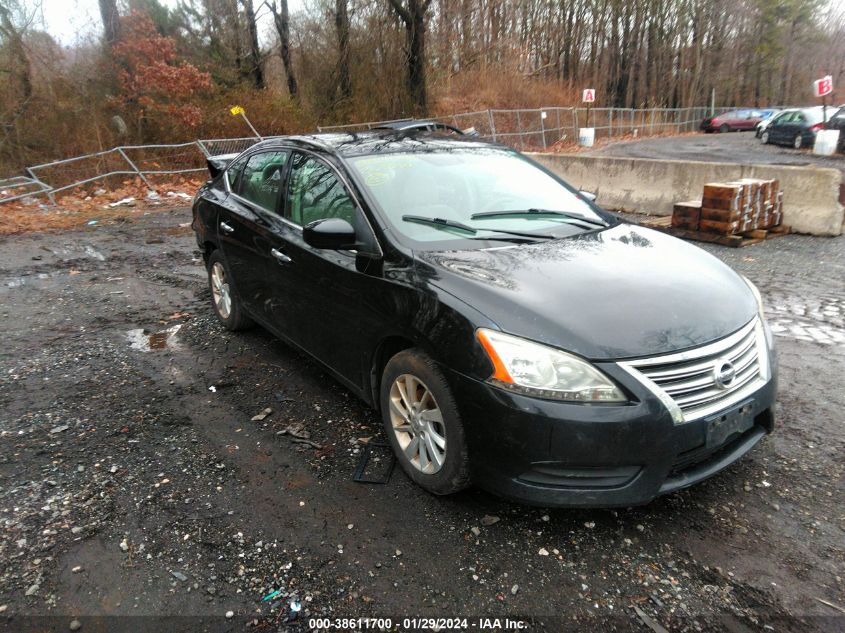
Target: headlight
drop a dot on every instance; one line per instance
(756, 295)
(536, 370)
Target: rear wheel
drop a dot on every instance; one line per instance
(798, 141)
(764, 137)
(224, 300)
(422, 423)
(724, 128)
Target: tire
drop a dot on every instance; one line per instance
(798, 141)
(764, 138)
(431, 426)
(724, 128)
(224, 300)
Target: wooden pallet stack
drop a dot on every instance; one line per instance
(732, 213)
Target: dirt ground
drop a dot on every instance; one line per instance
(137, 493)
(734, 147)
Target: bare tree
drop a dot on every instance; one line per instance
(12, 36)
(254, 51)
(413, 15)
(111, 20)
(281, 17)
(341, 21)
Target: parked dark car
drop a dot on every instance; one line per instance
(732, 121)
(837, 122)
(765, 123)
(796, 129)
(511, 333)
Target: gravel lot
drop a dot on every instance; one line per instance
(735, 147)
(133, 481)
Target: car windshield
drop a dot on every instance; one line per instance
(468, 198)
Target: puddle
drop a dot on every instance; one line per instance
(92, 252)
(32, 280)
(802, 331)
(151, 341)
(819, 320)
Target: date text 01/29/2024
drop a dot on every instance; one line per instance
(409, 625)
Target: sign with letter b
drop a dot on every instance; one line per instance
(823, 86)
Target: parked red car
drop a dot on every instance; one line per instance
(733, 120)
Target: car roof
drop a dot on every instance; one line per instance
(377, 142)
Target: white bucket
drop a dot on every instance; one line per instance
(826, 141)
(586, 136)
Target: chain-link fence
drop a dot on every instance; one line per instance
(538, 128)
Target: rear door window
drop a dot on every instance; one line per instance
(261, 181)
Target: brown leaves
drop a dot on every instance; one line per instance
(150, 79)
(91, 203)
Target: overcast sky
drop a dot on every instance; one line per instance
(70, 20)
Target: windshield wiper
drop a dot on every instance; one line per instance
(539, 213)
(443, 223)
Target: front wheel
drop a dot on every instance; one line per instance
(725, 128)
(764, 137)
(422, 423)
(798, 141)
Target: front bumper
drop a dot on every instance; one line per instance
(552, 453)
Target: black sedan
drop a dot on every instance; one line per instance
(511, 333)
(796, 129)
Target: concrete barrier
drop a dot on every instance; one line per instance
(810, 195)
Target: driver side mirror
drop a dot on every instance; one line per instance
(330, 233)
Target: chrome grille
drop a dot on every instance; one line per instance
(690, 380)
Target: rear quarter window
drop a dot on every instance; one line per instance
(233, 174)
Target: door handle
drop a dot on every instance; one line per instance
(226, 228)
(280, 256)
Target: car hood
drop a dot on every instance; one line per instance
(623, 292)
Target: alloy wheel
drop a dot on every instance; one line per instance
(798, 142)
(417, 422)
(765, 138)
(220, 290)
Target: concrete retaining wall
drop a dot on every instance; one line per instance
(810, 195)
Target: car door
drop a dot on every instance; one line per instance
(327, 298)
(736, 119)
(796, 125)
(245, 221)
(776, 118)
(752, 118)
(778, 130)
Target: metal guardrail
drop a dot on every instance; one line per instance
(535, 128)
(19, 187)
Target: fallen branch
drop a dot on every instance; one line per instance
(831, 605)
(654, 626)
(300, 440)
(299, 436)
